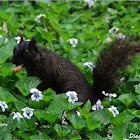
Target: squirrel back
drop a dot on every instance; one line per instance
(62, 75)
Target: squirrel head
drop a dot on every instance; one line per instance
(24, 52)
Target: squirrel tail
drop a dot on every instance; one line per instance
(111, 59)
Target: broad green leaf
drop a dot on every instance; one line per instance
(94, 136)
(41, 136)
(85, 110)
(122, 117)
(24, 85)
(127, 98)
(93, 124)
(53, 111)
(7, 97)
(77, 122)
(137, 89)
(100, 115)
(62, 130)
(2, 118)
(137, 113)
(119, 131)
(74, 137)
(45, 34)
(71, 105)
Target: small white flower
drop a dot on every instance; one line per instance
(113, 110)
(0, 28)
(109, 95)
(18, 38)
(3, 124)
(72, 96)
(73, 41)
(78, 113)
(108, 39)
(0, 36)
(113, 30)
(28, 112)
(90, 3)
(6, 40)
(90, 65)
(110, 137)
(3, 105)
(121, 36)
(37, 19)
(63, 120)
(36, 94)
(122, 79)
(98, 106)
(17, 116)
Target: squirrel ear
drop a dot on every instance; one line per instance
(32, 42)
(22, 37)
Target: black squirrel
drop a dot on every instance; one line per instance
(62, 75)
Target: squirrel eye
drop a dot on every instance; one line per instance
(26, 52)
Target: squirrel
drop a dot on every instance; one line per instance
(62, 75)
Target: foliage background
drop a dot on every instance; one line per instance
(65, 20)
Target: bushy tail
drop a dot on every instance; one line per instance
(111, 59)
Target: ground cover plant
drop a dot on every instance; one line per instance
(76, 30)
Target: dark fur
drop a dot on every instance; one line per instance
(62, 75)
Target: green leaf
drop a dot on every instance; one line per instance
(7, 97)
(73, 105)
(24, 85)
(62, 130)
(127, 98)
(53, 111)
(78, 123)
(94, 136)
(85, 110)
(137, 89)
(137, 113)
(101, 116)
(123, 117)
(45, 34)
(74, 137)
(93, 124)
(119, 131)
(41, 136)
(2, 118)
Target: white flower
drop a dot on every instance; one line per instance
(6, 40)
(108, 39)
(3, 105)
(90, 2)
(121, 36)
(113, 110)
(98, 106)
(0, 28)
(73, 41)
(18, 38)
(110, 137)
(63, 120)
(113, 30)
(36, 94)
(28, 112)
(90, 65)
(37, 19)
(3, 124)
(78, 113)
(122, 79)
(109, 95)
(17, 116)
(72, 96)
